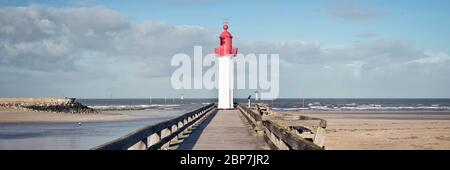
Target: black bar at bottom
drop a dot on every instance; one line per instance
(223, 159)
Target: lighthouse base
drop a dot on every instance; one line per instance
(225, 83)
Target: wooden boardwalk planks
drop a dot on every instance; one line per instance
(223, 130)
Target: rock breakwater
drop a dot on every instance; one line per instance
(61, 105)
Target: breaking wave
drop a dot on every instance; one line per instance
(364, 107)
(135, 107)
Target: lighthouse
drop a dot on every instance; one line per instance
(225, 54)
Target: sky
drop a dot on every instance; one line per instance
(328, 48)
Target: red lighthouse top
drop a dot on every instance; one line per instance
(226, 47)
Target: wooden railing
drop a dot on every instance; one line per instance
(252, 117)
(157, 136)
(279, 137)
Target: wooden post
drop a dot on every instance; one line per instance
(154, 138)
(319, 137)
(164, 133)
(180, 125)
(174, 128)
(141, 145)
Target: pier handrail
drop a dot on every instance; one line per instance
(252, 117)
(277, 136)
(156, 136)
(323, 123)
(281, 138)
(251, 113)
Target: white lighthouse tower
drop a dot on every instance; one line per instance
(225, 54)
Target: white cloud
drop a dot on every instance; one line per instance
(356, 66)
(432, 58)
(351, 11)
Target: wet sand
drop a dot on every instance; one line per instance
(50, 131)
(24, 116)
(380, 131)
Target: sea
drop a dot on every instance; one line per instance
(309, 104)
(73, 136)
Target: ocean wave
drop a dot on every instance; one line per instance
(290, 109)
(134, 107)
(364, 107)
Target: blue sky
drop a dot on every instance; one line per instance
(330, 48)
(425, 22)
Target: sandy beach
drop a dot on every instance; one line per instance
(25, 116)
(379, 131)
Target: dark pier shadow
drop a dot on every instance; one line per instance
(190, 141)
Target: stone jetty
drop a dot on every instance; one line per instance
(61, 105)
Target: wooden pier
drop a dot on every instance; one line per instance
(226, 130)
(243, 128)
